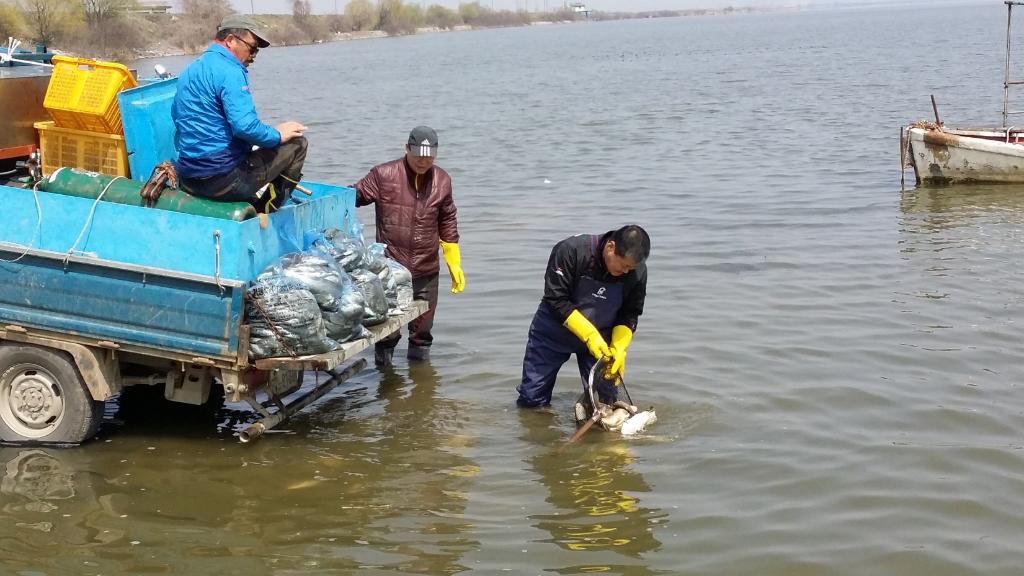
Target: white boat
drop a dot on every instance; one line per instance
(941, 155)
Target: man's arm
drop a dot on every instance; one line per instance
(368, 189)
(447, 222)
(633, 302)
(560, 279)
(241, 112)
(448, 232)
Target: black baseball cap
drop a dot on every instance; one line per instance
(423, 141)
(243, 22)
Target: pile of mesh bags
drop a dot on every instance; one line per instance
(284, 319)
(308, 302)
(395, 278)
(386, 284)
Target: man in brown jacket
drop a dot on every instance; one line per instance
(415, 213)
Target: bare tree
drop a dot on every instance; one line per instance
(337, 23)
(99, 13)
(301, 10)
(361, 14)
(105, 22)
(199, 22)
(442, 17)
(397, 17)
(45, 18)
(384, 14)
(210, 11)
(12, 23)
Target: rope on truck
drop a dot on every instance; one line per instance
(88, 220)
(266, 318)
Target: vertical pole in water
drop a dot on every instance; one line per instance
(1006, 68)
(903, 160)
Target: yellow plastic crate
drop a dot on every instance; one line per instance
(82, 94)
(92, 151)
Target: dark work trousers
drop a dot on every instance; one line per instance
(244, 182)
(423, 288)
(549, 346)
(550, 343)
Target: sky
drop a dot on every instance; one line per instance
(329, 6)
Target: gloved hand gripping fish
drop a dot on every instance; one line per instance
(620, 416)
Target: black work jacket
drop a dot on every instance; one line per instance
(576, 257)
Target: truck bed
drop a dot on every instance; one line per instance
(165, 280)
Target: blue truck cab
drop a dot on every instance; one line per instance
(96, 296)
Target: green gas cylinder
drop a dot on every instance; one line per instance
(73, 182)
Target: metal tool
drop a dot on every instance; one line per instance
(594, 406)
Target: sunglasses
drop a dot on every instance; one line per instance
(253, 49)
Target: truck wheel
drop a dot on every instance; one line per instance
(43, 399)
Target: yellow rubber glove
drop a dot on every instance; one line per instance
(453, 258)
(621, 337)
(578, 324)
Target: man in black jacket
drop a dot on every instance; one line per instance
(594, 291)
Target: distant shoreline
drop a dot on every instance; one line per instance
(273, 21)
(167, 51)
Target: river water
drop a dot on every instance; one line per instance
(836, 363)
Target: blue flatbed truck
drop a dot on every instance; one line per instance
(97, 296)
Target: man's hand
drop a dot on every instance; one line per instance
(290, 130)
(616, 366)
(453, 257)
(621, 337)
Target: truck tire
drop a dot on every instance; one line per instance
(43, 399)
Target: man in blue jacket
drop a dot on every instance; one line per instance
(217, 125)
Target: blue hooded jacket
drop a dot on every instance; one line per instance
(215, 116)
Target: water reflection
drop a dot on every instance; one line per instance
(932, 209)
(37, 477)
(959, 247)
(406, 478)
(374, 480)
(954, 230)
(47, 502)
(594, 486)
